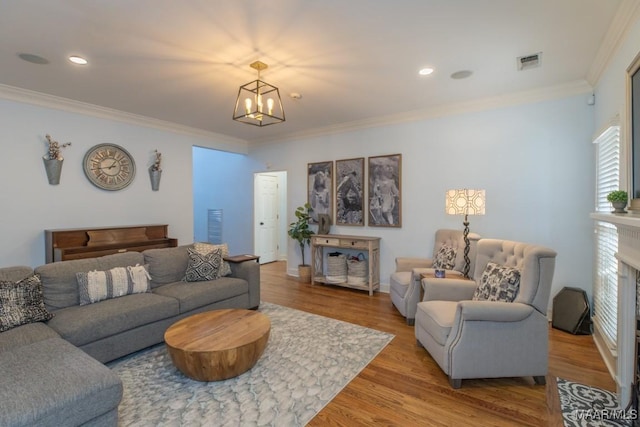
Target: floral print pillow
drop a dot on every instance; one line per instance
(498, 283)
(445, 258)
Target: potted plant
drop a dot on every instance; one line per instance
(619, 200)
(300, 232)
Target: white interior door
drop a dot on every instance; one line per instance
(266, 217)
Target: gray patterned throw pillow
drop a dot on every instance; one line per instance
(205, 248)
(498, 283)
(21, 303)
(445, 258)
(204, 266)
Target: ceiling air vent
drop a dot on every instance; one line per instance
(529, 61)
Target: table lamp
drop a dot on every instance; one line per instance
(465, 202)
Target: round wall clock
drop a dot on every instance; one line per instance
(109, 166)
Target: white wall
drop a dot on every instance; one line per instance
(611, 100)
(611, 93)
(30, 205)
(223, 180)
(535, 162)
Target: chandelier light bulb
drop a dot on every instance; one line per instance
(247, 105)
(260, 103)
(270, 105)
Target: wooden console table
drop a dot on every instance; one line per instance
(370, 246)
(78, 243)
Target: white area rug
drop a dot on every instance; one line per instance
(308, 360)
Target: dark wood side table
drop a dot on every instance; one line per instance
(242, 258)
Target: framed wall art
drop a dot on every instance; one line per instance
(320, 184)
(350, 192)
(385, 192)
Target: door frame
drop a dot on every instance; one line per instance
(281, 233)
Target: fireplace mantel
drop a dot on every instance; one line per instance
(630, 220)
(628, 255)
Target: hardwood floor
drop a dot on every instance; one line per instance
(403, 386)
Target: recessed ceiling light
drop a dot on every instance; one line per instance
(78, 60)
(425, 71)
(34, 59)
(462, 74)
(295, 95)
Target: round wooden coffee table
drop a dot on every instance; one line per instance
(219, 344)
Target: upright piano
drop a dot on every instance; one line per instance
(77, 243)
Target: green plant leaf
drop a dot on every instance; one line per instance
(299, 230)
(618, 196)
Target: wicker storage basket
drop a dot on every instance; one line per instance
(336, 268)
(357, 270)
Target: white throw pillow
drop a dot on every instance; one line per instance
(97, 285)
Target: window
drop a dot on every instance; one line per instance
(605, 289)
(607, 167)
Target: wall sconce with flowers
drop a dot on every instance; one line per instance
(155, 171)
(53, 160)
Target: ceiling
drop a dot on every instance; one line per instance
(352, 61)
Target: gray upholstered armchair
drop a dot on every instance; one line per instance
(488, 338)
(404, 284)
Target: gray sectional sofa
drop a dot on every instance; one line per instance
(53, 372)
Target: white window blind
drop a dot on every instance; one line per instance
(605, 290)
(608, 166)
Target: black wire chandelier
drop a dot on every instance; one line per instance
(259, 103)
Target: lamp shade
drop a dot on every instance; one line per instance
(465, 202)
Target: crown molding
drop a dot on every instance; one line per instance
(626, 16)
(226, 143)
(40, 99)
(577, 87)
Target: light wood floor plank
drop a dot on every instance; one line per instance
(404, 386)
